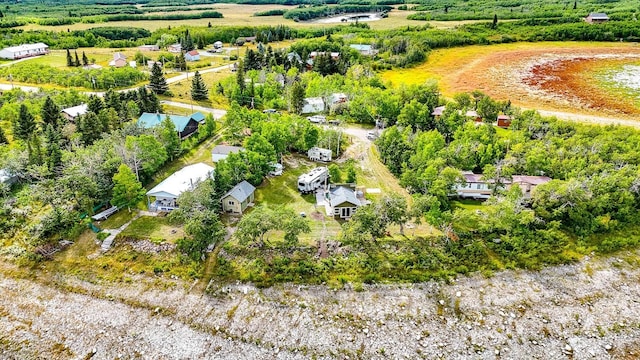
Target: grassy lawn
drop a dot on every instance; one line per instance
(116, 220)
(153, 228)
(181, 91)
(283, 190)
(121, 263)
(467, 204)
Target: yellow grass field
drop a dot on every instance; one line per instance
(242, 15)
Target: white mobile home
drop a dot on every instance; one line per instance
(166, 193)
(319, 154)
(313, 180)
(24, 51)
(478, 188)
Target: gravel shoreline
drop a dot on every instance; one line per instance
(585, 310)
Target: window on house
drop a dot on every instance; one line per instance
(231, 202)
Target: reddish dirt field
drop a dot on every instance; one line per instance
(550, 76)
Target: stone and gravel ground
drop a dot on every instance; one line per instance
(588, 310)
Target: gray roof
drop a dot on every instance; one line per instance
(241, 191)
(343, 194)
(226, 149)
(598, 16)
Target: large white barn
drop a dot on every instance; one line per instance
(24, 50)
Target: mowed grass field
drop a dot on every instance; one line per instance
(242, 15)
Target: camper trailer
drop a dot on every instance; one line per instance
(319, 154)
(313, 180)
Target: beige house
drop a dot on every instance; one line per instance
(238, 198)
(119, 60)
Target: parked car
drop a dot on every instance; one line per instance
(317, 119)
(270, 111)
(372, 135)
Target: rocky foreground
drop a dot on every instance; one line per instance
(586, 310)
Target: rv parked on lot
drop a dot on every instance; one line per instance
(313, 180)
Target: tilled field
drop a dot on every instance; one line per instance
(589, 310)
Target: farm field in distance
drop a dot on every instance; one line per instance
(574, 77)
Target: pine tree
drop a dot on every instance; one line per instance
(3, 137)
(69, 59)
(85, 60)
(198, 88)
(52, 152)
(112, 100)
(1, 14)
(494, 25)
(297, 97)
(127, 190)
(50, 113)
(240, 82)
(157, 82)
(77, 62)
(180, 62)
(25, 127)
(187, 42)
(90, 128)
(95, 104)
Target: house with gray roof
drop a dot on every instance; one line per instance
(238, 198)
(341, 201)
(220, 152)
(595, 18)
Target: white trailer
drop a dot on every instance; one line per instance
(313, 180)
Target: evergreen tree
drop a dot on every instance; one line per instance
(209, 24)
(575, 5)
(112, 100)
(198, 88)
(90, 128)
(77, 62)
(127, 190)
(3, 137)
(95, 104)
(187, 42)
(494, 25)
(50, 113)
(153, 104)
(180, 62)
(53, 153)
(241, 84)
(201, 43)
(69, 59)
(1, 14)
(85, 60)
(25, 126)
(297, 97)
(157, 82)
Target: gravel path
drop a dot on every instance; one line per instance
(589, 310)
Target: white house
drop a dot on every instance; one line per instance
(166, 193)
(363, 49)
(149, 48)
(477, 188)
(74, 112)
(24, 51)
(192, 55)
(175, 48)
(221, 152)
(340, 201)
(313, 105)
(319, 154)
(238, 198)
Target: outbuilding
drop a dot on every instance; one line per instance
(192, 55)
(220, 152)
(238, 198)
(119, 60)
(596, 18)
(24, 51)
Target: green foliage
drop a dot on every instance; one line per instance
(334, 173)
(127, 190)
(157, 82)
(198, 88)
(203, 228)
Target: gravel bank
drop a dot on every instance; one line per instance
(586, 310)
